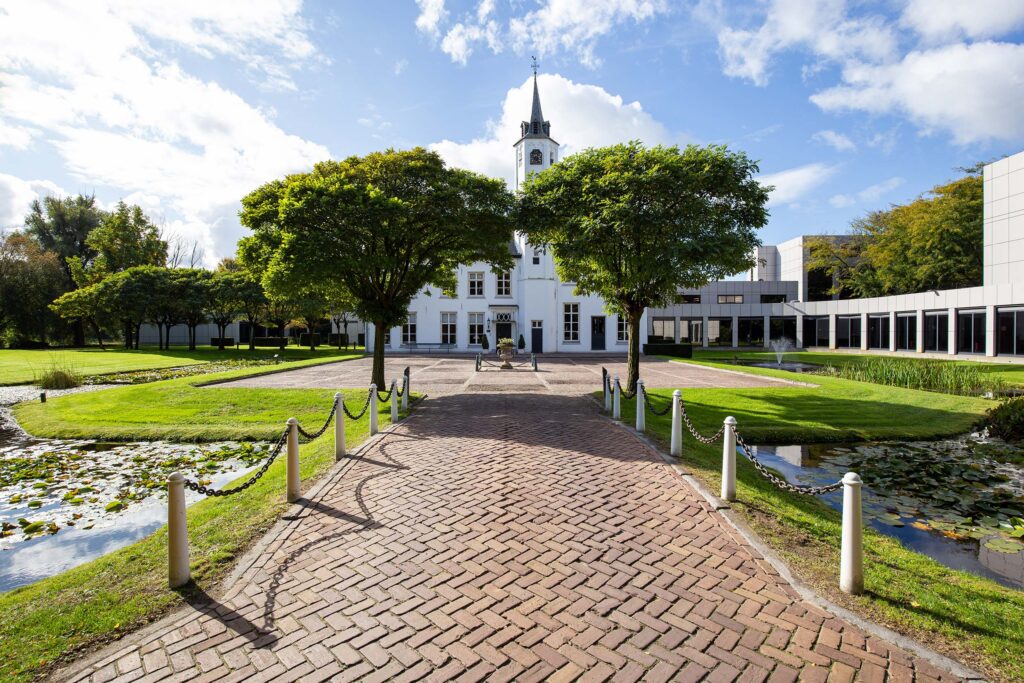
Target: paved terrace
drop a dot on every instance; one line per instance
(443, 375)
(505, 536)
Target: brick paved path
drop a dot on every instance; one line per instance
(507, 537)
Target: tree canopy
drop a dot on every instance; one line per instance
(634, 224)
(382, 227)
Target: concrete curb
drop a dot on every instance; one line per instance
(805, 591)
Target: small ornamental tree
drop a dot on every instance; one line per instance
(633, 224)
(382, 227)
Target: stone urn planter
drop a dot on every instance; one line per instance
(505, 350)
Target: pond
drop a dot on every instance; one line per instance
(65, 502)
(959, 501)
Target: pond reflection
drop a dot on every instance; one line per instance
(959, 501)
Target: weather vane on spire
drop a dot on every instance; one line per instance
(534, 64)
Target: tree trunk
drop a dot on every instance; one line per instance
(138, 333)
(191, 337)
(378, 354)
(78, 333)
(127, 334)
(252, 333)
(633, 353)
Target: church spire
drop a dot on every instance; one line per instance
(536, 126)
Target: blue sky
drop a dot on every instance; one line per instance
(184, 107)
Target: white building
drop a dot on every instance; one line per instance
(529, 301)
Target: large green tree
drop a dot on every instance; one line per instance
(933, 242)
(30, 278)
(383, 227)
(124, 238)
(633, 224)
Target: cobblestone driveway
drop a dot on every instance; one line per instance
(506, 536)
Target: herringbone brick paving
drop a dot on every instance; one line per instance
(507, 537)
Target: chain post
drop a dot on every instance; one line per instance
(851, 557)
(373, 409)
(616, 399)
(292, 461)
(641, 408)
(394, 401)
(178, 572)
(607, 393)
(533, 360)
(339, 428)
(729, 459)
(677, 423)
(405, 389)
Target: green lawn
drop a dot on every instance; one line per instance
(49, 622)
(24, 366)
(969, 618)
(1008, 372)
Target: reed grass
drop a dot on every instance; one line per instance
(928, 375)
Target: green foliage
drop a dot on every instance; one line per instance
(633, 225)
(30, 278)
(124, 238)
(484, 343)
(59, 378)
(934, 242)
(381, 227)
(522, 342)
(912, 373)
(1006, 420)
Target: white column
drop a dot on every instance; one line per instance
(799, 341)
(952, 332)
(675, 330)
(641, 407)
(677, 423)
(735, 331)
(616, 399)
(767, 331)
(919, 346)
(729, 459)
(394, 401)
(863, 331)
(373, 409)
(339, 428)
(704, 331)
(851, 557)
(178, 573)
(832, 328)
(892, 330)
(991, 330)
(292, 461)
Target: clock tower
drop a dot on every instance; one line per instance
(535, 150)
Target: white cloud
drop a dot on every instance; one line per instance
(819, 27)
(871, 193)
(102, 83)
(16, 195)
(837, 141)
(937, 20)
(15, 136)
(792, 184)
(432, 13)
(458, 42)
(581, 116)
(400, 66)
(972, 91)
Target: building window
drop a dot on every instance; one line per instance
(730, 298)
(688, 299)
(1010, 332)
(409, 330)
(621, 329)
(448, 329)
(504, 284)
(476, 327)
(662, 330)
(906, 332)
(387, 336)
(773, 298)
(970, 331)
(476, 284)
(571, 323)
(878, 331)
(815, 331)
(936, 332)
(848, 332)
(720, 332)
(782, 328)
(691, 331)
(536, 257)
(751, 331)
(536, 156)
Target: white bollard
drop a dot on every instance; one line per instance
(677, 423)
(729, 459)
(607, 394)
(641, 407)
(178, 572)
(339, 429)
(617, 399)
(394, 400)
(851, 554)
(292, 461)
(373, 409)
(405, 392)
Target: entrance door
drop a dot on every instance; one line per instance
(597, 333)
(503, 331)
(537, 336)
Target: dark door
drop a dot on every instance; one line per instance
(597, 333)
(503, 331)
(537, 339)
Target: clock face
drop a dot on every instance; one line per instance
(536, 157)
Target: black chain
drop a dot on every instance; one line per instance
(782, 483)
(405, 382)
(327, 422)
(362, 412)
(207, 491)
(622, 392)
(650, 406)
(386, 395)
(693, 430)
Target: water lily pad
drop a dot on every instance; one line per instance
(1002, 545)
(115, 506)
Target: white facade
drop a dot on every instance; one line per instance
(531, 303)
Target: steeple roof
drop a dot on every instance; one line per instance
(536, 127)
(536, 115)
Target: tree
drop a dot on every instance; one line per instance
(124, 238)
(634, 224)
(382, 227)
(62, 225)
(30, 278)
(310, 309)
(192, 287)
(226, 293)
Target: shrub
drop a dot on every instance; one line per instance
(1006, 420)
(60, 378)
(484, 344)
(279, 342)
(522, 342)
(911, 373)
